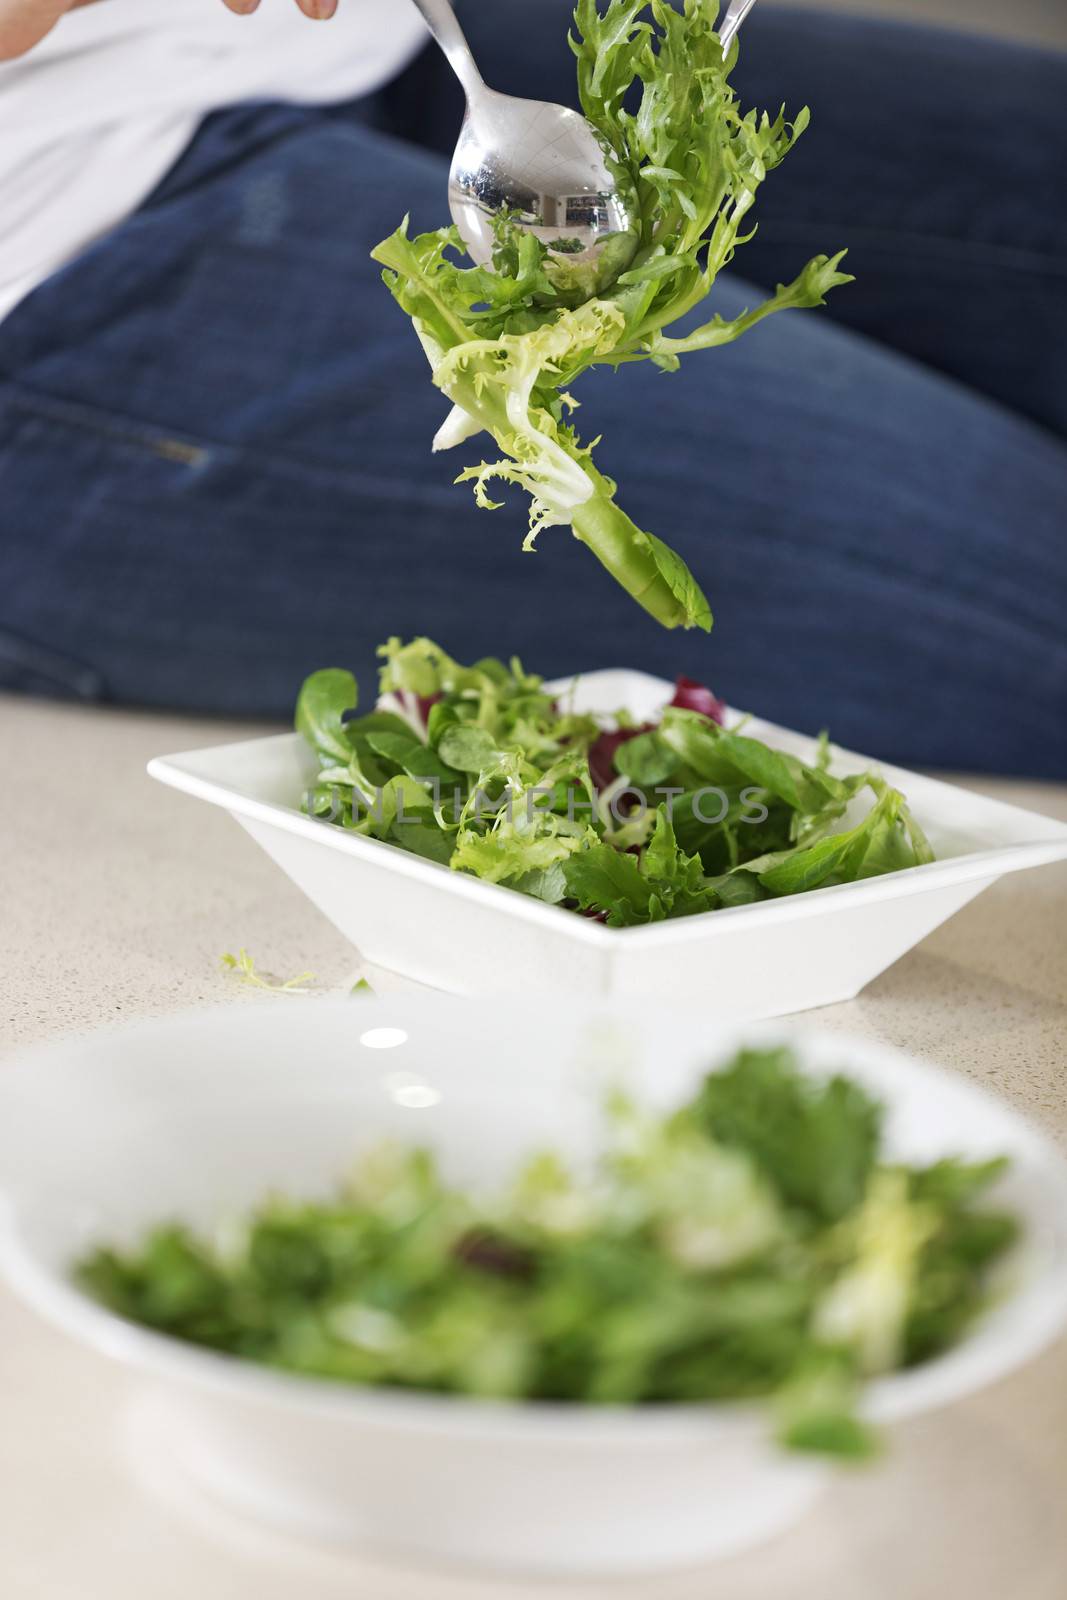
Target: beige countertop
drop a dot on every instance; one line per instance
(117, 899)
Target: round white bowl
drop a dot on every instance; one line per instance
(197, 1116)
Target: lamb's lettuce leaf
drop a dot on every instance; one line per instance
(325, 697)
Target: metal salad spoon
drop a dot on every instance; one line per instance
(541, 164)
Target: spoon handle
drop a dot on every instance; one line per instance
(444, 25)
(736, 12)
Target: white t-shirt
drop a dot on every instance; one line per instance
(92, 118)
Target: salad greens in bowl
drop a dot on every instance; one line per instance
(484, 770)
(756, 1243)
(608, 1286)
(506, 346)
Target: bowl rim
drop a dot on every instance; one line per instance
(190, 772)
(1037, 1310)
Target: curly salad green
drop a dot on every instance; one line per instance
(755, 1244)
(485, 771)
(506, 346)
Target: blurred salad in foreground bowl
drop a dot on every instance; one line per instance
(588, 1286)
(754, 1244)
(483, 770)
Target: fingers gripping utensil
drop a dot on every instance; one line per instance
(540, 164)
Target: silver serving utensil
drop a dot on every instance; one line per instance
(735, 14)
(541, 164)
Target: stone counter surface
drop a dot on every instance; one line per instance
(117, 899)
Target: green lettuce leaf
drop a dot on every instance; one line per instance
(324, 698)
(664, 882)
(816, 1143)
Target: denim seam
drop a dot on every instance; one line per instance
(172, 445)
(127, 431)
(195, 452)
(976, 598)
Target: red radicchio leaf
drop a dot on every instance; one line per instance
(602, 753)
(495, 1254)
(688, 696)
(692, 696)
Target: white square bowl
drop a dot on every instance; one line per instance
(452, 931)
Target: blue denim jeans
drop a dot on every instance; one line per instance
(214, 426)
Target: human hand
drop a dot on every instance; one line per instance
(317, 10)
(24, 23)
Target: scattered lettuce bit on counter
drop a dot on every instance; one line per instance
(507, 346)
(243, 966)
(753, 1245)
(480, 769)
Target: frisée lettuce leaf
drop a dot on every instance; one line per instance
(506, 346)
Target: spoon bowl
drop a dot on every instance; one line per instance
(539, 165)
(542, 166)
